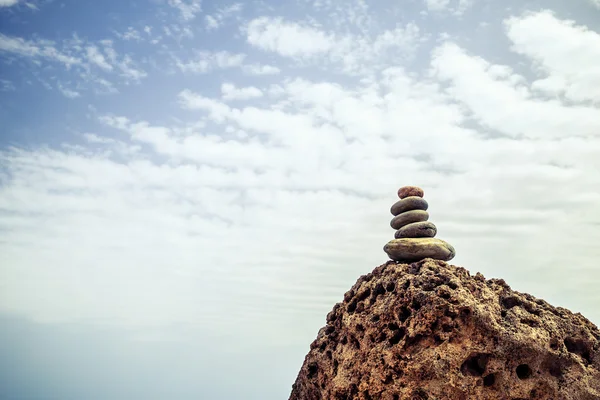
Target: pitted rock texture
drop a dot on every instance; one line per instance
(430, 330)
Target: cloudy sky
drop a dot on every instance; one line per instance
(187, 187)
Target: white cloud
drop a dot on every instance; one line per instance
(571, 70)
(36, 49)
(7, 86)
(332, 149)
(78, 54)
(217, 19)
(8, 3)
(187, 8)
(190, 100)
(225, 59)
(594, 2)
(69, 93)
(132, 34)
(110, 51)
(105, 87)
(95, 57)
(356, 54)
(260, 69)
(178, 32)
(359, 55)
(456, 7)
(437, 5)
(288, 38)
(93, 138)
(350, 15)
(130, 71)
(207, 61)
(211, 22)
(198, 66)
(18, 46)
(230, 92)
(501, 100)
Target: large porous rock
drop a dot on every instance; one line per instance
(430, 330)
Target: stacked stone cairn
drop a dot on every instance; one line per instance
(414, 238)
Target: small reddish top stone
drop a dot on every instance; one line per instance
(407, 191)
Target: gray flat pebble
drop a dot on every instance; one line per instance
(409, 204)
(408, 218)
(423, 229)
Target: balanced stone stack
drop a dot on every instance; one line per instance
(414, 238)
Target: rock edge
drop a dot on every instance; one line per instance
(430, 330)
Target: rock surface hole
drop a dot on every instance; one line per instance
(523, 371)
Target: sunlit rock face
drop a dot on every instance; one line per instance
(431, 330)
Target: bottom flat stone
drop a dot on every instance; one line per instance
(415, 249)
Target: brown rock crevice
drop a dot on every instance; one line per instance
(430, 330)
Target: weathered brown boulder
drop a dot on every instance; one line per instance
(430, 330)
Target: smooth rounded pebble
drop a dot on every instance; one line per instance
(407, 191)
(424, 229)
(408, 204)
(408, 218)
(410, 250)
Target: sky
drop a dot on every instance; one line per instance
(187, 187)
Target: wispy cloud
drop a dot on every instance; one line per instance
(205, 62)
(187, 8)
(36, 49)
(437, 5)
(353, 53)
(456, 7)
(7, 85)
(93, 138)
(313, 156)
(8, 3)
(132, 34)
(70, 93)
(84, 59)
(217, 19)
(572, 71)
(259, 69)
(94, 57)
(130, 71)
(230, 92)
(486, 87)
(594, 2)
(288, 38)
